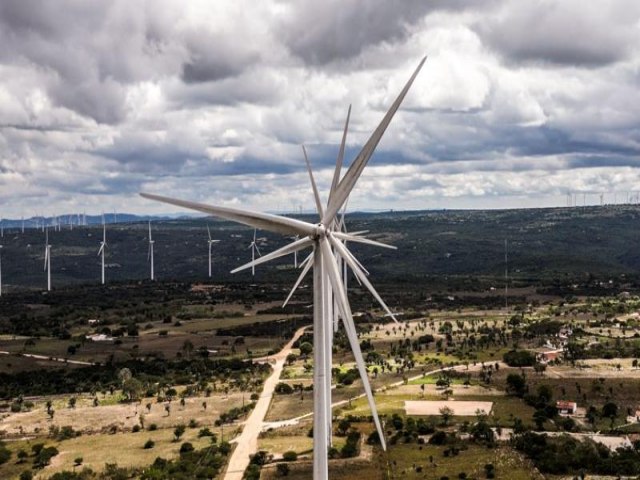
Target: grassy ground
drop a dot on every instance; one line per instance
(88, 419)
(508, 464)
(411, 461)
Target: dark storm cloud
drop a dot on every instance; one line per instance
(563, 33)
(213, 56)
(324, 32)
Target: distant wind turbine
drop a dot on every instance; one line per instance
(326, 241)
(47, 259)
(0, 270)
(295, 254)
(254, 248)
(103, 247)
(150, 254)
(210, 242)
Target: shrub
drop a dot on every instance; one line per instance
(282, 469)
(26, 475)
(186, 447)
(290, 456)
(5, 454)
(149, 444)
(44, 457)
(153, 427)
(283, 389)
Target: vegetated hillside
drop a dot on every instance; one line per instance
(542, 244)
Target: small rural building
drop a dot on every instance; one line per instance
(93, 321)
(548, 356)
(566, 408)
(99, 337)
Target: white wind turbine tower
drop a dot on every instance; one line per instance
(254, 248)
(150, 254)
(103, 247)
(295, 254)
(210, 242)
(326, 241)
(47, 259)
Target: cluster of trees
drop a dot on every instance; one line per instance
(519, 358)
(284, 328)
(233, 414)
(406, 430)
(566, 455)
(103, 377)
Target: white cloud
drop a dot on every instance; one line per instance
(212, 101)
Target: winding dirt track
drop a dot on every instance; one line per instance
(247, 441)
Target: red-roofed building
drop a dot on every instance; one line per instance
(566, 408)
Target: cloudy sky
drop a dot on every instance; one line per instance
(518, 104)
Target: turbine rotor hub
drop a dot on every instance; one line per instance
(321, 231)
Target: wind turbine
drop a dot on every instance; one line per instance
(47, 259)
(210, 242)
(150, 254)
(0, 270)
(326, 241)
(254, 248)
(295, 254)
(103, 246)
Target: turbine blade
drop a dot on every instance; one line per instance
(264, 221)
(209, 232)
(257, 249)
(350, 178)
(286, 250)
(304, 272)
(305, 261)
(46, 257)
(339, 160)
(353, 257)
(316, 195)
(347, 318)
(150, 230)
(101, 248)
(353, 238)
(347, 256)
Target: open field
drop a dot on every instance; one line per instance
(458, 407)
(116, 416)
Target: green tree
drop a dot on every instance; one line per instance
(306, 348)
(516, 384)
(446, 413)
(179, 431)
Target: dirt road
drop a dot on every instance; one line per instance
(247, 441)
(49, 359)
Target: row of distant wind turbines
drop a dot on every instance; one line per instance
(253, 246)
